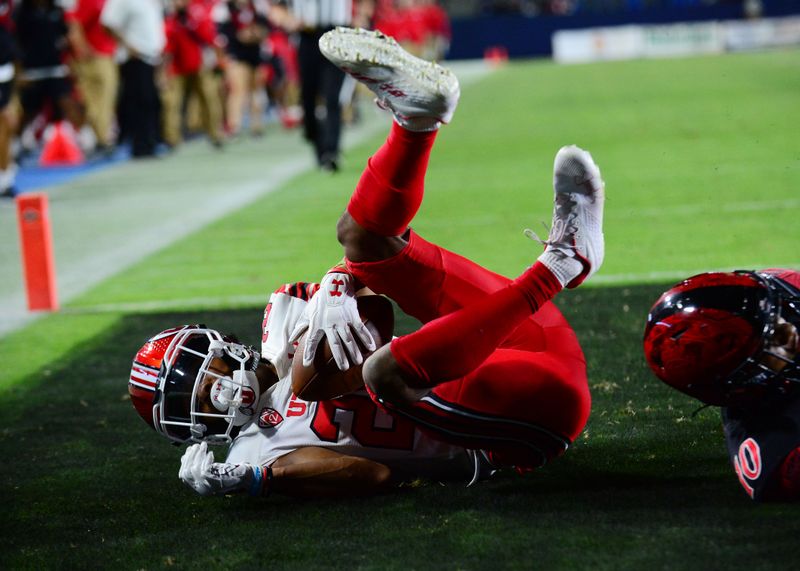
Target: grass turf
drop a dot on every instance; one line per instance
(645, 487)
(699, 157)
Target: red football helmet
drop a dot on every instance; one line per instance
(168, 372)
(709, 335)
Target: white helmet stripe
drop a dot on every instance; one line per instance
(141, 385)
(145, 377)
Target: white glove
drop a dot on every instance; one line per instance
(206, 477)
(333, 313)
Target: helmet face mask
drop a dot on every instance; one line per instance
(197, 359)
(713, 335)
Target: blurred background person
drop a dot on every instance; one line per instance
(245, 30)
(283, 78)
(192, 53)
(320, 80)
(398, 19)
(138, 27)
(437, 32)
(8, 55)
(421, 26)
(95, 69)
(45, 83)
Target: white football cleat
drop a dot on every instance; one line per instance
(421, 94)
(575, 245)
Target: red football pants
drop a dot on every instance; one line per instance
(525, 403)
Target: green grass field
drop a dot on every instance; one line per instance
(700, 157)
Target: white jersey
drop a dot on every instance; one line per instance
(140, 23)
(283, 311)
(352, 424)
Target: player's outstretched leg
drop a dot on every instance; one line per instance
(455, 344)
(420, 94)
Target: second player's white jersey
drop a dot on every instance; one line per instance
(352, 424)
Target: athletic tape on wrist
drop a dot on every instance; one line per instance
(262, 481)
(255, 485)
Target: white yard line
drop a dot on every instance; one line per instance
(699, 208)
(157, 306)
(224, 302)
(676, 275)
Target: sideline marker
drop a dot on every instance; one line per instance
(36, 244)
(60, 146)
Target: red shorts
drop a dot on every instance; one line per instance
(525, 403)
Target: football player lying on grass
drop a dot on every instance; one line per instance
(494, 378)
(731, 340)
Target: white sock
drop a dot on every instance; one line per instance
(418, 124)
(564, 268)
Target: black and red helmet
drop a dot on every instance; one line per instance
(708, 336)
(166, 376)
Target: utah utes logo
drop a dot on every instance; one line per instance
(269, 418)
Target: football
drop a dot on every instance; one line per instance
(323, 380)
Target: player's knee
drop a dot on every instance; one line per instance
(347, 229)
(362, 245)
(381, 374)
(386, 379)
(352, 236)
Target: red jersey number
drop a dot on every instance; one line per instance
(370, 426)
(264, 330)
(748, 464)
